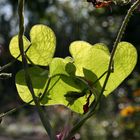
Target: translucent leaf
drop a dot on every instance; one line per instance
(57, 66)
(60, 85)
(14, 48)
(62, 66)
(125, 60)
(43, 43)
(39, 78)
(94, 61)
(90, 58)
(90, 62)
(103, 47)
(62, 82)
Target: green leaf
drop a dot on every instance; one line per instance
(61, 83)
(57, 66)
(90, 62)
(103, 47)
(89, 58)
(95, 60)
(39, 78)
(61, 86)
(14, 48)
(43, 43)
(125, 60)
(62, 66)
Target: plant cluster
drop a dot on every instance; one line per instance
(77, 81)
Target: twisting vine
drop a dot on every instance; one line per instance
(28, 80)
(41, 113)
(118, 39)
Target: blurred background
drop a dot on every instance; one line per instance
(118, 117)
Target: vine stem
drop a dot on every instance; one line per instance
(28, 80)
(109, 71)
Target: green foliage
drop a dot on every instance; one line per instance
(39, 78)
(78, 81)
(61, 83)
(94, 59)
(69, 80)
(42, 45)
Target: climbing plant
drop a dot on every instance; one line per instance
(77, 81)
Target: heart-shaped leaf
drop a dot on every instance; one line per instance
(42, 45)
(95, 59)
(57, 66)
(66, 91)
(64, 88)
(90, 62)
